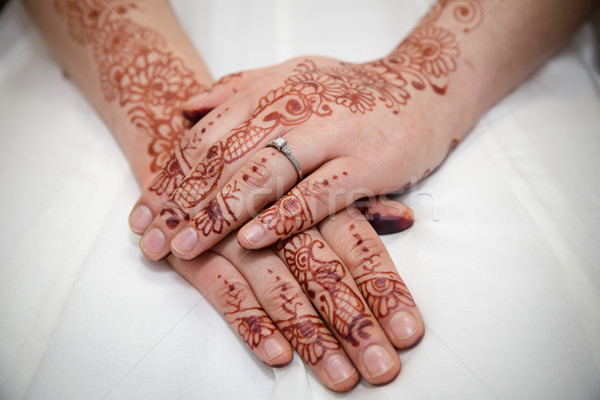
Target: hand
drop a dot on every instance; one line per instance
(267, 293)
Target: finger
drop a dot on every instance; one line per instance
(217, 94)
(261, 180)
(195, 143)
(283, 300)
(324, 278)
(386, 216)
(352, 238)
(276, 114)
(226, 289)
(324, 192)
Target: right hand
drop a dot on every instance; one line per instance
(343, 269)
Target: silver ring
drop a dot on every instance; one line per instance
(281, 145)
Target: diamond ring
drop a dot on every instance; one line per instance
(281, 145)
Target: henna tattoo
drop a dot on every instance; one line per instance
(339, 303)
(211, 218)
(384, 291)
(424, 59)
(293, 211)
(307, 333)
(138, 71)
(252, 323)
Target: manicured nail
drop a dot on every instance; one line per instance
(185, 241)
(403, 325)
(273, 349)
(140, 218)
(253, 233)
(339, 369)
(153, 242)
(389, 224)
(377, 361)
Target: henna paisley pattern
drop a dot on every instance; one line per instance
(138, 71)
(425, 59)
(384, 293)
(339, 303)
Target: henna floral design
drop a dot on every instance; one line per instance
(211, 218)
(425, 59)
(292, 212)
(253, 325)
(307, 333)
(339, 303)
(384, 291)
(138, 71)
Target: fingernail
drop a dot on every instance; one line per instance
(389, 224)
(153, 242)
(185, 241)
(253, 233)
(273, 349)
(377, 360)
(403, 325)
(338, 369)
(140, 218)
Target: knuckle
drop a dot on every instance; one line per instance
(255, 175)
(322, 195)
(278, 291)
(364, 249)
(238, 289)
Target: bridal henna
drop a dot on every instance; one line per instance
(340, 305)
(282, 297)
(138, 71)
(384, 291)
(307, 333)
(325, 281)
(366, 258)
(424, 60)
(253, 325)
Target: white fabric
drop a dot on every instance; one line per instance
(503, 259)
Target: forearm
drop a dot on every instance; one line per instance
(465, 55)
(136, 76)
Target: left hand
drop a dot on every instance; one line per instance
(350, 126)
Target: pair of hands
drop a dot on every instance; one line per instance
(356, 130)
(221, 174)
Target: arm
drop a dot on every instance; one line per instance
(355, 129)
(137, 79)
(135, 76)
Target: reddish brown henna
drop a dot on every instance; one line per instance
(211, 218)
(307, 333)
(138, 71)
(292, 212)
(339, 304)
(389, 224)
(252, 323)
(425, 59)
(384, 291)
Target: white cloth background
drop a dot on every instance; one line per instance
(503, 259)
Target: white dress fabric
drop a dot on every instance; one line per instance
(504, 259)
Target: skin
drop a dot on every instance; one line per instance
(356, 129)
(137, 78)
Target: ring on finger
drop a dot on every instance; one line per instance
(281, 145)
